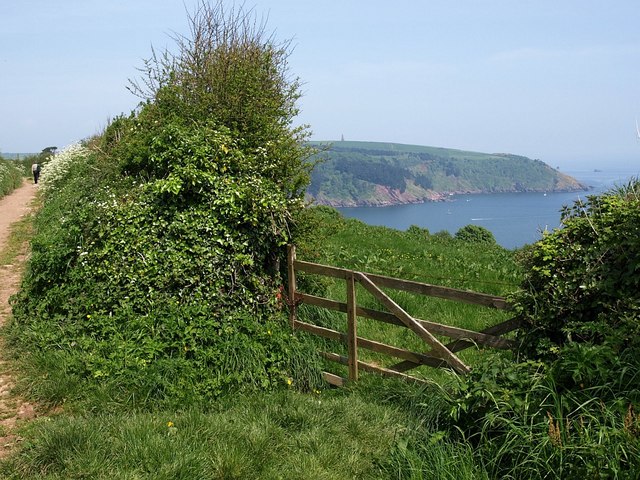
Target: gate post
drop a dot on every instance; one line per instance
(291, 271)
(352, 330)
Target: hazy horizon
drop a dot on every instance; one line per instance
(566, 165)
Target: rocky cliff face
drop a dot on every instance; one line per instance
(382, 196)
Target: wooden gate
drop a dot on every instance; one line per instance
(439, 355)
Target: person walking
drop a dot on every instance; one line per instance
(35, 169)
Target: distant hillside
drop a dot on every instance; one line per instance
(373, 173)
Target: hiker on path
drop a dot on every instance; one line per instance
(35, 169)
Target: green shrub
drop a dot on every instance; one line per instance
(475, 234)
(583, 280)
(418, 232)
(522, 423)
(10, 176)
(234, 74)
(573, 416)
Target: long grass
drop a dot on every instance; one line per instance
(283, 435)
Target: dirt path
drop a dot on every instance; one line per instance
(12, 409)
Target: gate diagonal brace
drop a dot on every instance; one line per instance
(442, 351)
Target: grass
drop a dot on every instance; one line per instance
(11, 176)
(281, 435)
(378, 428)
(18, 241)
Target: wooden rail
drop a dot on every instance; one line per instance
(439, 355)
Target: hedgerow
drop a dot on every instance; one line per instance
(583, 281)
(10, 176)
(59, 166)
(156, 270)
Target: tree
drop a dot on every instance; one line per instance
(47, 153)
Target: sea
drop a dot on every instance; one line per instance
(515, 219)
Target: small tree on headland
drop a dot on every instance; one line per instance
(475, 234)
(47, 153)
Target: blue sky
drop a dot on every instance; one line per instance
(554, 80)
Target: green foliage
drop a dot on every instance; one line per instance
(169, 288)
(573, 416)
(10, 176)
(155, 273)
(582, 282)
(523, 424)
(231, 72)
(361, 168)
(475, 234)
(505, 420)
(437, 258)
(417, 231)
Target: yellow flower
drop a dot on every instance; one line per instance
(169, 424)
(289, 381)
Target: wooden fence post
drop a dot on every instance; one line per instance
(352, 329)
(291, 271)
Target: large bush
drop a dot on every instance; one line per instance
(229, 70)
(156, 268)
(475, 234)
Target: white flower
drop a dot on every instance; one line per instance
(60, 164)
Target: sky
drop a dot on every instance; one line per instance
(548, 79)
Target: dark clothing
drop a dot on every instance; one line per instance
(35, 169)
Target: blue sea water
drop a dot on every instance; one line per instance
(515, 219)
